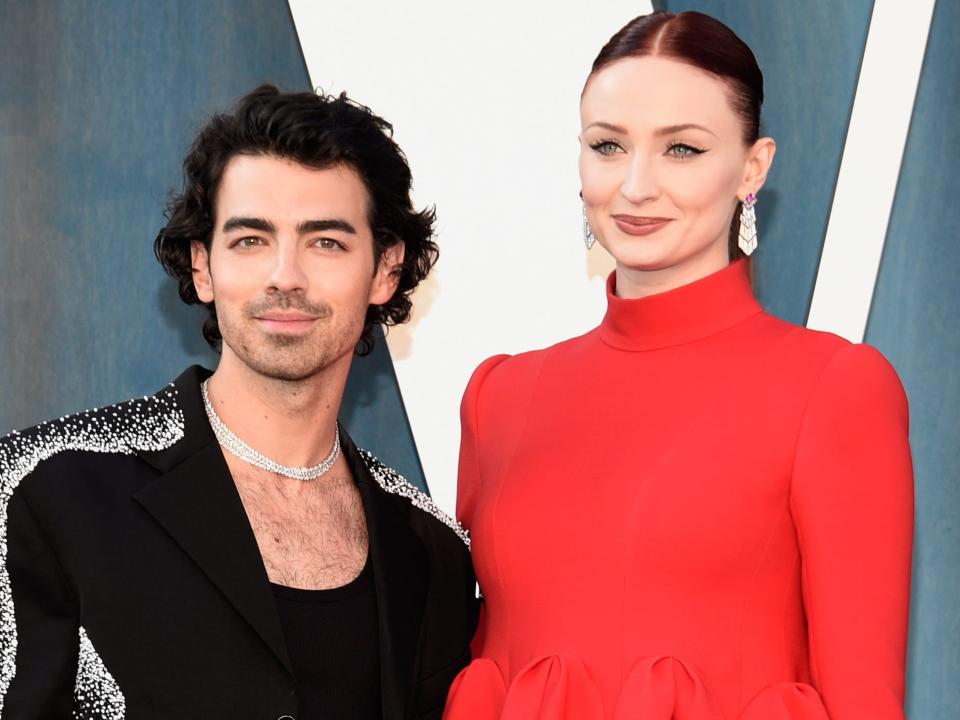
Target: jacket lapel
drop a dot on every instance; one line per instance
(400, 575)
(196, 502)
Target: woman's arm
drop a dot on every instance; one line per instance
(468, 477)
(852, 501)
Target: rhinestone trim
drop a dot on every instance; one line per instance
(149, 424)
(393, 482)
(97, 695)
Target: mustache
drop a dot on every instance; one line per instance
(287, 301)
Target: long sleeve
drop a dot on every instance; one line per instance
(852, 501)
(46, 622)
(468, 476)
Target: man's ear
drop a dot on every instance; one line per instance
(387, 277)
(200, 261)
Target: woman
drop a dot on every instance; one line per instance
(695, 511)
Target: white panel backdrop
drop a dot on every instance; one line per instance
(484, 101)
(867, 182)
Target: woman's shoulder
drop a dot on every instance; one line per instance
(508, 373)
(500, 372)
(831, 359)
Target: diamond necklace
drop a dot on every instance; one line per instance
(238, 447)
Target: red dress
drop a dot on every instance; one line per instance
(695, 511)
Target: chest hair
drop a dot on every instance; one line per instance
(311, 536)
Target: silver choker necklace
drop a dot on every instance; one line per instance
(238, 447)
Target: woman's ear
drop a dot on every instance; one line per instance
(759, 160)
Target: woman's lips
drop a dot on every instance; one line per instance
(633, 225)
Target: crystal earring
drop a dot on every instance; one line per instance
(748, 225)
(588, 237)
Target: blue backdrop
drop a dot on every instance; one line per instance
(98, 101)
(913, 319)
(98, 104)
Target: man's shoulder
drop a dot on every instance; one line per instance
(422, 505)
(149, 423)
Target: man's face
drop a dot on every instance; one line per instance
(291, 265)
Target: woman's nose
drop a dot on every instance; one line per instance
(640, 183)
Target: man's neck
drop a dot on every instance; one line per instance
(291, 422)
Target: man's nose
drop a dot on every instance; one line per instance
(288, 273)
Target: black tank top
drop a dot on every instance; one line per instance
(334, 644)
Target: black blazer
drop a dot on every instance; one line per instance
(132, 585)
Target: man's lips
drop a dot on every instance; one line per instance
(636, 225)
(285, 317)
(286, 321)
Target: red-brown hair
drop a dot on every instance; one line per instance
(705, 43)
(701, 41)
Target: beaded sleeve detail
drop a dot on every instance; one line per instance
(393, 482)
(149, 424)
(97, 695)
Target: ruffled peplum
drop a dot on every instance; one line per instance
(559, 687)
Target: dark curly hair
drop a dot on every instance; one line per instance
(318, 131)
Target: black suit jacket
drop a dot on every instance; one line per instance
(133, 585)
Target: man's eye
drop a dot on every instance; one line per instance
(248, 242)
(328, 244)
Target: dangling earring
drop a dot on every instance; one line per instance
(748, 225)
(588, 237)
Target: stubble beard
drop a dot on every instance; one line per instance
(290, 358)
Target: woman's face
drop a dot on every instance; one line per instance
(663, 164)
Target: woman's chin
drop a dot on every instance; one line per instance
(643, 259)
(665, 253)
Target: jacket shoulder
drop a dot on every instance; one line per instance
(151, 423)
(393, 482)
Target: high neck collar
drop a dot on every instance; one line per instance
(690, 312)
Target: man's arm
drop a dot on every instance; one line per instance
(45, 632)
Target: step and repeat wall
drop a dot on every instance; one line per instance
(858, 225)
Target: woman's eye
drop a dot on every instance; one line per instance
(606, 147)
(683, 151)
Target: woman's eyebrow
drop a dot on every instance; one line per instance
(672, 129)
(607, 126)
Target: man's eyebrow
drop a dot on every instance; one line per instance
(249, 223)
(307, 226)
(312, 226)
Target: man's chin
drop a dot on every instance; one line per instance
(287, 358)
(287, 372)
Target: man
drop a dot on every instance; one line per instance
(222, 549)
